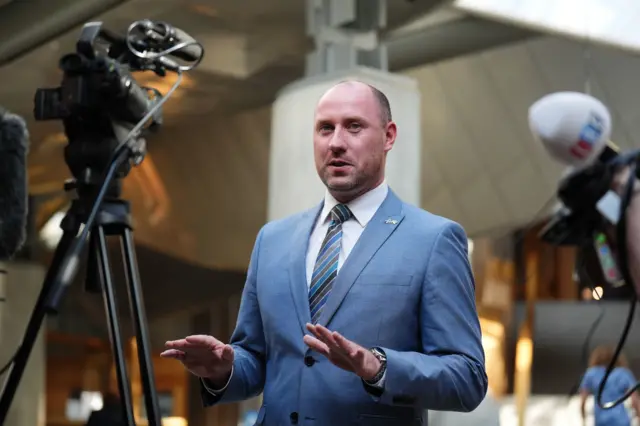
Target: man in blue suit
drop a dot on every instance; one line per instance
(358, 311)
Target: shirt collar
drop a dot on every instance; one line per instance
(363, 207)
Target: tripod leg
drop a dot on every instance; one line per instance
(93, 278)
(103, 268)
(35, 323)
(142, 331)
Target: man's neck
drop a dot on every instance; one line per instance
(346, 197)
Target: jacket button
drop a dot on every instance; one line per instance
(294, 418)
(309, 361)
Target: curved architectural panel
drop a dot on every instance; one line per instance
(481, 165)
(205, 197)
(612, 22)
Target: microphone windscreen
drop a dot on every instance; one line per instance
(573, 127)
(14, 146)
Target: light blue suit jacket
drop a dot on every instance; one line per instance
(406, 287)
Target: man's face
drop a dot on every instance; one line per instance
(351, 140)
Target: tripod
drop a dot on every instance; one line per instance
(113, 219)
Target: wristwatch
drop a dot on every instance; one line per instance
(382, 357)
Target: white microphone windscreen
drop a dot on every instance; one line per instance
(573, 127)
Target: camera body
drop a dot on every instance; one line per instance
(91, 88)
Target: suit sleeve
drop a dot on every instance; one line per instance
(248, 375)
(448, 374)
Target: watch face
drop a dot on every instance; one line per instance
(381, 356)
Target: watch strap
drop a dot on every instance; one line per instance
(381, 356)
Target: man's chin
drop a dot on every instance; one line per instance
(340, 185)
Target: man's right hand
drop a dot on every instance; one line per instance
(204, 356)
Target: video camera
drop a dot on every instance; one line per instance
(99, 101)
(575, 128)
(104, 112)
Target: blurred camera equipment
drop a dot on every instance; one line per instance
(105, 115)
(574, 128)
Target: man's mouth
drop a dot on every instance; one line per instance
(338, 163)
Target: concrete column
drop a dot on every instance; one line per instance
(20, 287)
(346, 35)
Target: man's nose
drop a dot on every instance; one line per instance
(337, 141)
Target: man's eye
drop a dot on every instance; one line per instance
(325, 128)
(354, 126)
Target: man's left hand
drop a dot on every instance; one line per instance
(342, 352)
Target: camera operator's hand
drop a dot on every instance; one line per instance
(620, 180)
(204, 356)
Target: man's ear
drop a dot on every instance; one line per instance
(391, 133)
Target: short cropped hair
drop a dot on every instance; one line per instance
(381, 99)
(603, 355)
(383, 103)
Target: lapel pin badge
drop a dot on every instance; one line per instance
(391, 221)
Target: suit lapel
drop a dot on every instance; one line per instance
(381, 226)
(297, 265)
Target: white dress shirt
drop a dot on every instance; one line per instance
(363, 209)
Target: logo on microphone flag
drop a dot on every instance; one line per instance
(589, 135)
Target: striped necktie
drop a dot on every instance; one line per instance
(326, 268)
